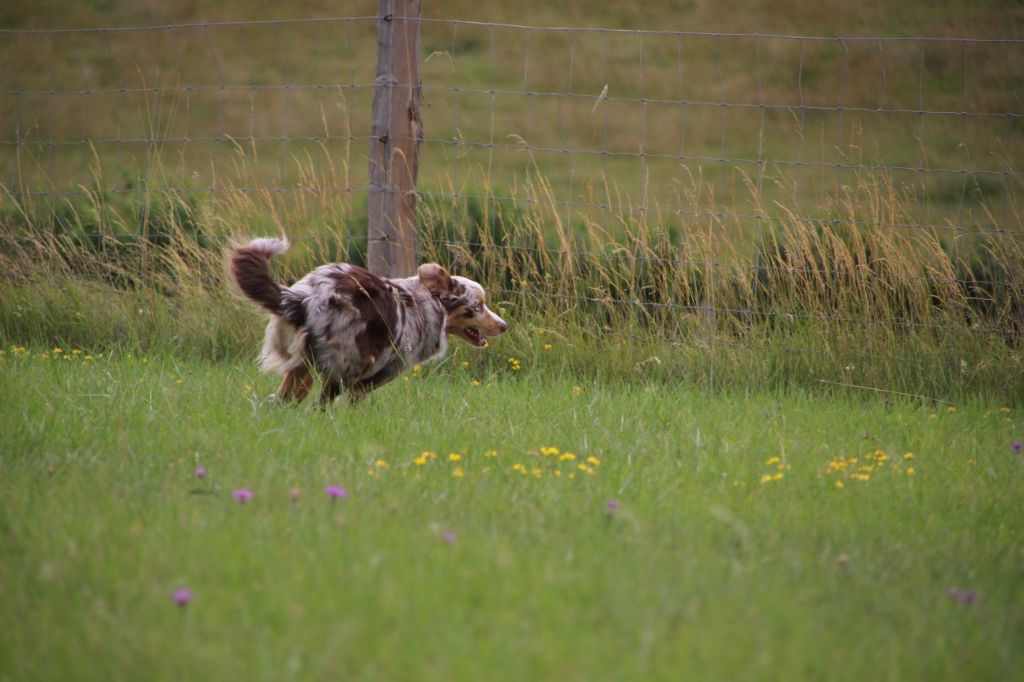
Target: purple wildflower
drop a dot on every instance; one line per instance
(963, 596)
(334, 492)
(612, 505)
(242, 495)
(1017, 446)
(449, 536)
(295, 494)
(968, 596)
(182, 596)
(200, 471)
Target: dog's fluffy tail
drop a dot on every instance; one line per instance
(249, 269)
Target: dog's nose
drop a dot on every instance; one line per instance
(502, 326)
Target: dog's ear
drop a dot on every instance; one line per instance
(435, 278)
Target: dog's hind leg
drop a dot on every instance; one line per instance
(296, 385)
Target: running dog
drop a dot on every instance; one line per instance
(355, 330)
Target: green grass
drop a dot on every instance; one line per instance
(703, 572)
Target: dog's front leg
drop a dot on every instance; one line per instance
(358, 390)
(330, 391)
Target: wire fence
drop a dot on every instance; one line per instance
(689, 131)
(583, 102)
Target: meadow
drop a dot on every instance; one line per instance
(757, 415)
(497, 523)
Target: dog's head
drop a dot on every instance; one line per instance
(464, 301)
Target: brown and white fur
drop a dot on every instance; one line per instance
(355, 330)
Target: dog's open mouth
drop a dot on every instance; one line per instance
(473, 336)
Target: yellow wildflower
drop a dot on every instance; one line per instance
(593, 460)
(490, 454)
(566, 457)
(537, 473)
(576, 390)
(911, 471)
(548, 346)
(474, 382)
(381, 464)
(454, 457)
(767, 478)
(840, 485)
(457, 472)
(908, 455)
(777, 477)
(836, 464)
(772, 460)
(57, 351)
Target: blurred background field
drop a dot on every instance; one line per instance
(742, 97)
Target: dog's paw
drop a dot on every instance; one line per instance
(271, 400)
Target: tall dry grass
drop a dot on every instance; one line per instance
(697, 297)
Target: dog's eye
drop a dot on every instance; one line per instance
(478, 307)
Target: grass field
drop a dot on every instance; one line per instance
(709, 539)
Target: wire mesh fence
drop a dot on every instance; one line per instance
(666, 172)
(641, 109)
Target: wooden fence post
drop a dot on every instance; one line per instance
(397, 130)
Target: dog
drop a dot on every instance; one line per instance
(355, 330)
